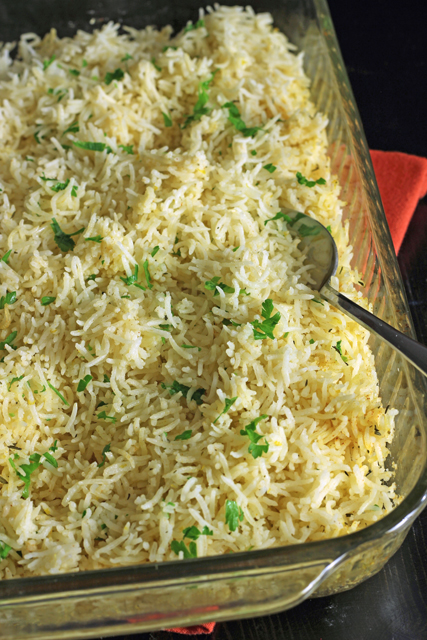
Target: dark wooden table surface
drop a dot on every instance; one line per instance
(384, 44)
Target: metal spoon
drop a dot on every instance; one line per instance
(322, 253)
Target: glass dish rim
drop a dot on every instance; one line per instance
(331, 551)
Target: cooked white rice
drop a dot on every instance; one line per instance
(125, 487)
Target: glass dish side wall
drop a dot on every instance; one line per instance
(150, 597)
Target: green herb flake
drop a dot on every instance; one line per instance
(228, 404)
(191, 552)
(305, 230)
(54, 447)
(338, 348)
(309, 183)
(147, 274)
(84, 63)
(233, 514)
(328, 228)
(190, 346)
(74, 191)
(62, 239)
(47, 300)
(154, 251)
(50, 459)
(317, 301)
(4, 550)
(13, 382)
(200, 109)
(106, 378)
(235, 249)
(253, 152)
(47, 63)
(84, 513)
(118, 74)
(8, 340)
(126, 57)
(60, 186)
(73, 128)
(185, 435)
(228, 322)
(92, 146)
(97, 239)
(167, 119)
(103, 416)
(104, 456)
(270, 167)
(283, 216)
(6, 256)
(131, 280)
(74, 72)
(255, 449)
(177, 387)
(127, 149)
(169, 46)
(156, 66)
(57, 393)
(264, 329)
(192, 27)
(25, 471)
(193, 533)
(9, 298)
(311, 341)
(29, 159)
(235, 118)
(83, 383)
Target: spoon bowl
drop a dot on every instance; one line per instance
(322, 254)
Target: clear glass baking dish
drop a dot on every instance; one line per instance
(149, 597)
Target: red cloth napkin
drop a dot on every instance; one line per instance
(402, 181)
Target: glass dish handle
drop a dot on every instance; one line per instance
(413, 351)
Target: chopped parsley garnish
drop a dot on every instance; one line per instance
(126, 57)
(74, 191)
(233, 514)
(154, 251)
(60, 186)
(311, 341)
(36, 136)
(83, 383)
(328, 228)
(270, 167)
(177, 387)
(103, 416)
(57, 393)
(13, 381)
(265, 328)
(191, 552)
(309, 183)
(283, 216)
(190, 346)
(156, 66)
(73, 128)
(235, 118)
(192, 27)
(235, 249)
(98, 239)
(62, 239)
(74, 72)
(214, 284)
(127, 149)
(228, 322)
(228, 404)
(317, 301)
(92, 146)
(185, 435)
(118, 74)
(200, 108)
(147, 274)
(9, 298)
(131, 280)
(46, 300)
(169, 46)
(29, 159)
(253, 152)
(167, 119)
(104, 456)
(6, 256)
(255, 449)
(4, 550)
(25, 470)
(47, 63)
(106, 378)
(338, 348)
(8, 340)
(84, 63)
(193, 533)
(54, 447)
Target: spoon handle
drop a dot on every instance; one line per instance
(413, 351)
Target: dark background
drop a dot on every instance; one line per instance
(384, 45)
